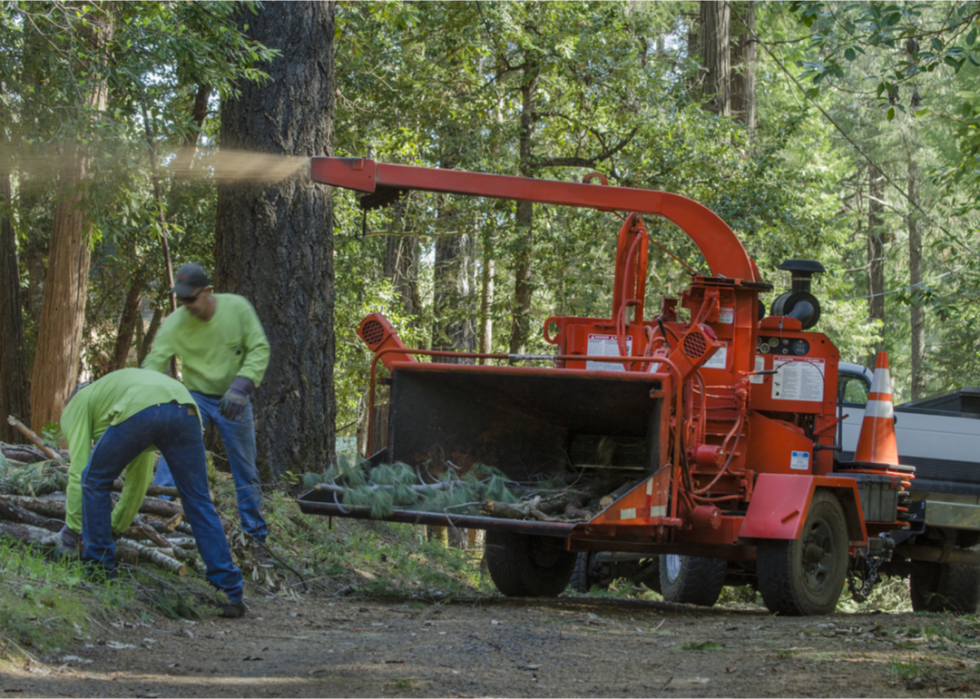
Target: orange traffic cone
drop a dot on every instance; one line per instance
(876, 444)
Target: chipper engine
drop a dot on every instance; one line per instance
(707, 429)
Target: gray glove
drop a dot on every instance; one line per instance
(69, 544)
(235, 400)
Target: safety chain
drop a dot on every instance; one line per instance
(860, 594)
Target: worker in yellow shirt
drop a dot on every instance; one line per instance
(224, 354)
(128, 414)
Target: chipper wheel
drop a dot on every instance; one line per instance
(944, 587)
(692, 579)
(522, 565)
(806, 576)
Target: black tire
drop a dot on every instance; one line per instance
(805, 577)
(944, 587)
(528, 566)
(649, 574)
(582, 580)
(501, 554)
(691, 579)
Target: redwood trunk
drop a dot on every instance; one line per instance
(523, 276)
(59, 340)
(274, 243)
(14, 392)
(876, 260)
(744, 65)
(918, 314)
(715, 56)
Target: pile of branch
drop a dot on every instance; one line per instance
(481, 490)
(157, 536)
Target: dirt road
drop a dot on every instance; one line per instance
(496, 646)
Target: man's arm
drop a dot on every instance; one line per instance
(139, 475)
(256, 346)
(76, 425)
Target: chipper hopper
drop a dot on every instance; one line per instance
(705, 429)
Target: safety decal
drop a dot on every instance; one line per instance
(800, 461)
(760, 365)
(726, 316)
(719, 360)
(606, 346)
(798, 378)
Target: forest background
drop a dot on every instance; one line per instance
(839, 132)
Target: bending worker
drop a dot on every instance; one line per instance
(129, 413)
(224, 354)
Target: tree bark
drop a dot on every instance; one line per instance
(402, 263)
(274, 243)
(59, 341)
(876, 259)
(715, 57)
(523, 276)
(14, 390)
(744, 63)
(486, 295)
(918, 313)
(127, 323)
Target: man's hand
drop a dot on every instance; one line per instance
(235, 400)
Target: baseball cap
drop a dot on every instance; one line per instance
(190, 278)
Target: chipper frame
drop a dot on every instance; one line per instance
(717, 430)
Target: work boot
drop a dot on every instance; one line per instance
(231, 610)
(67, 544)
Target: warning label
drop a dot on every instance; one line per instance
(760, 365)
(798, 378)
(606, 346)
(726, 315)
(719, 360)
(800, 461)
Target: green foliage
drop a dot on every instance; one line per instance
(31, 479)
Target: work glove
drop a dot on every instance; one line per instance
(235, 400)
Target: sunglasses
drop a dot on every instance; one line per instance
(188, 299)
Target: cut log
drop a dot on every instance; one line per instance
(153, 556)
(15, 513)
(24, 533)
(529, 509)
(190, 558)
(29, 433)
(56, 508)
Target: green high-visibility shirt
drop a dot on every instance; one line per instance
(113, 399)
(213, 353)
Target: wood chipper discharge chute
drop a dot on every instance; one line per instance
(706, 430)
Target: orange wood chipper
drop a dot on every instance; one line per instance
(722, 422)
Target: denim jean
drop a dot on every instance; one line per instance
(174, 429)
(239, 441)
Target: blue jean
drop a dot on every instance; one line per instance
(239, 441)
(174, 430)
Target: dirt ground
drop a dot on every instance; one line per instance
(496, 646)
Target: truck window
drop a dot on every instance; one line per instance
(854, 389)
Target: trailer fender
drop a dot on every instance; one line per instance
(780, 503)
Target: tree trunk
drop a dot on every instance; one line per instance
(523, 278)
(715, 57)
(14, 391)
(274, 243)
(918, 313)
(59, 339)
(401, 264)
(151, 332)
(486, 295)
(876, 260)
(743, 67)
(127, 323)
